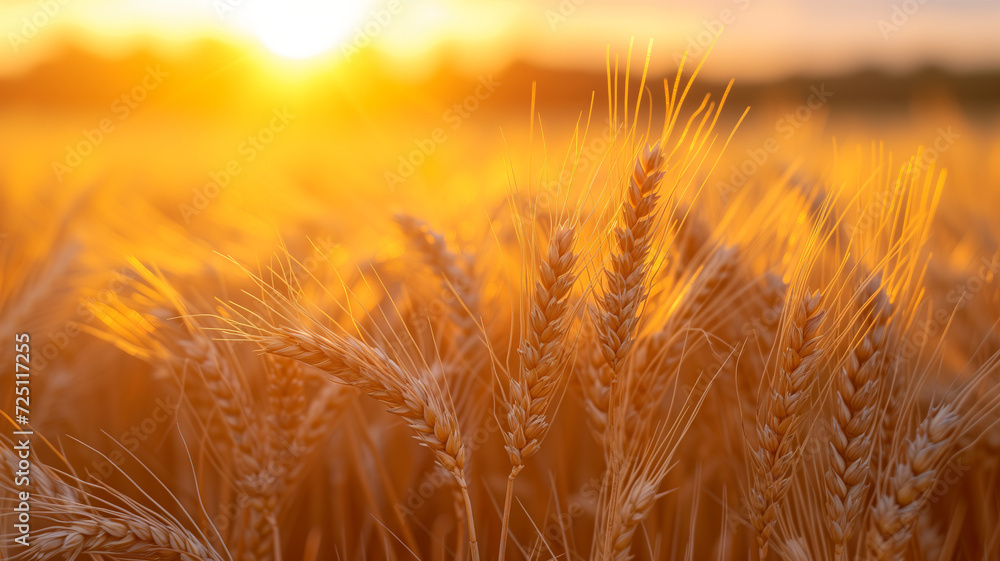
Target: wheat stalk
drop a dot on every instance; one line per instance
(124, 538)
(626, 283)
(626, 288)
(369, 369)
(84, 524)
(905, 492)
(542, 351)
(783, 413)
(856, 395)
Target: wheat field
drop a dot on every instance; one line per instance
(648, 337)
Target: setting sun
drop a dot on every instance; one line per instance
(302, 28)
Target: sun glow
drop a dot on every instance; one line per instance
(303, 28)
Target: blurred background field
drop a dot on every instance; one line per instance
(386, 80)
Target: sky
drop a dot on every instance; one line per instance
(762, 39)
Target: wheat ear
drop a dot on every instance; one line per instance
(595, 383)
(854, 425)
(905, 492)
(626, 278)
(542, 352)
(369, 369)
(431, 245)
(125, 537)
(291, 434)
(80, 528)
(626, 285)
(635, 476)
(542, 349)
(784, 411)
(640, 497)
(249, 440)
